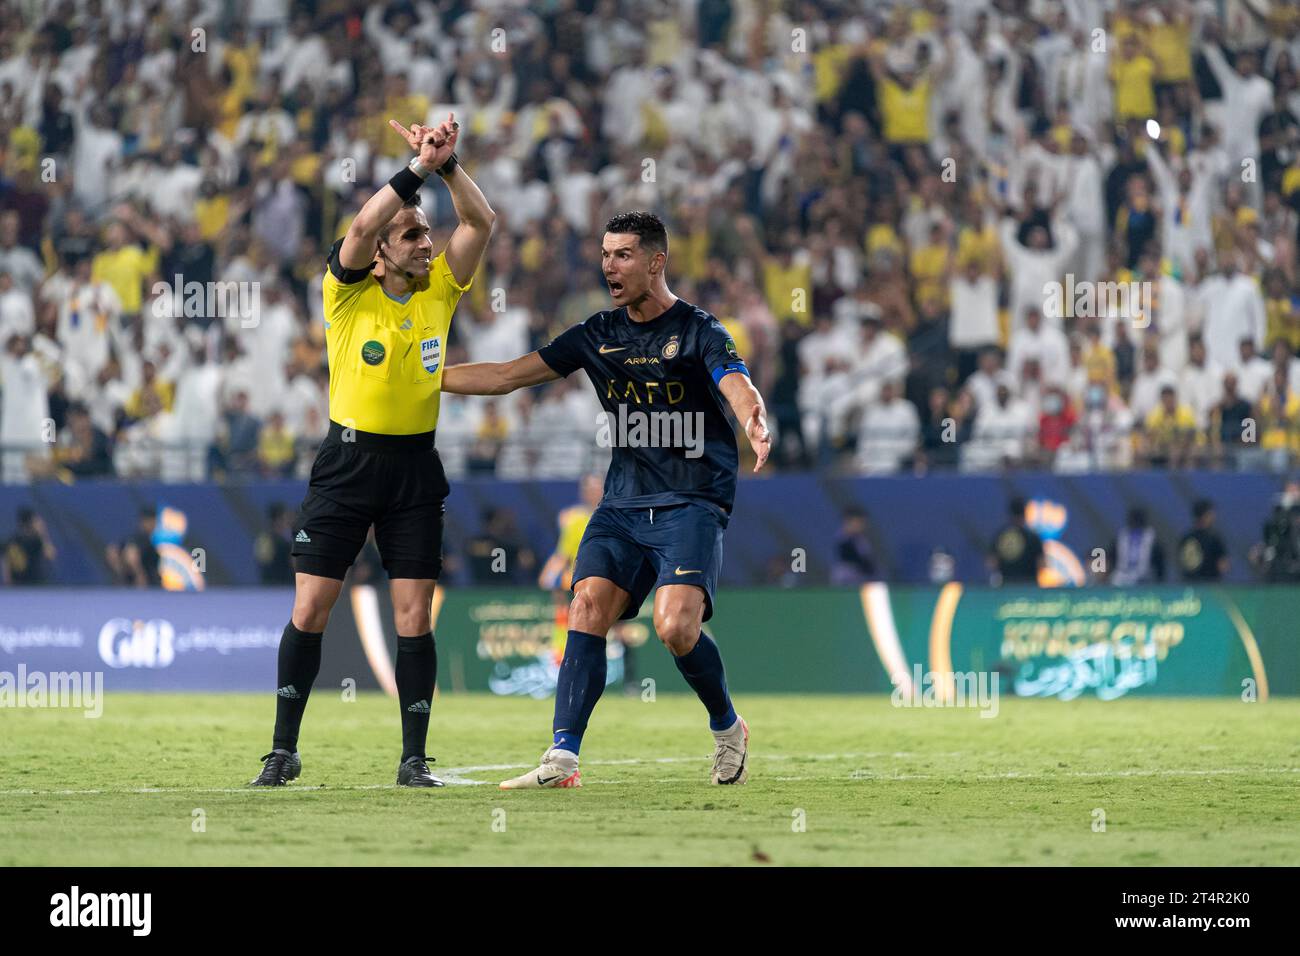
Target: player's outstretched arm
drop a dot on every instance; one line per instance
(497, 378)
(747, 405)
(434, 144)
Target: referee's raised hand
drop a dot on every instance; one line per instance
(434, 144)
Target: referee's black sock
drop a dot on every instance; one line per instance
(417, 672)
(298, 665)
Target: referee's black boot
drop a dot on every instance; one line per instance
(278, 768)
(414, 772)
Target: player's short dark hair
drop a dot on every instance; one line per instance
(412, 203)
(1201, 508)
(646, 226)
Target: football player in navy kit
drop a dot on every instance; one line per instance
(663, 370)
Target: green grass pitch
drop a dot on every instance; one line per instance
(834, 780)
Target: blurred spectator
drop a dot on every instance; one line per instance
(854, 561)
(1169, 432)
(1202, 555)
(134, 560)
(497, 555)
(974, 325)
(84, 449)
(27, 556)
(1279, 420)
(1001, 432)
(1228, 420)
(1277, 555)
(890, 433)
(274, 545)
(239, 438)
(1135, 553)
(1056, 422)
(16, 259)
(936, 172)
(26, 410)
(1016, 554)
(490, 435)
(275, 451)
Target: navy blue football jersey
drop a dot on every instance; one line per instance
(665, 419)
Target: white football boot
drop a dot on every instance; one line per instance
(731, 756)
(559, 769)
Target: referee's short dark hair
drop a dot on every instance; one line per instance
(412, 203)
(646, 226)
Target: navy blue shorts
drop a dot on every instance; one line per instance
(641, 550)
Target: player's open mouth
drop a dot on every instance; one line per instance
(615, 288)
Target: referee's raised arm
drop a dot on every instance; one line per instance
(435, 148)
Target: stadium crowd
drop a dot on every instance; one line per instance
(875, 199)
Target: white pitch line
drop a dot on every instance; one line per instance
(1077, 774)
(454, 776)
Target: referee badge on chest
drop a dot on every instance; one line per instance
(431, 354)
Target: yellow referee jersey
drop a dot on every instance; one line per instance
(385, 355)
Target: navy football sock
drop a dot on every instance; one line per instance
(702, 668)
(298, 663)
(581, 682)
(416, 673)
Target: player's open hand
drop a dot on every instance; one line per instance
(434, 144)
(760, 439)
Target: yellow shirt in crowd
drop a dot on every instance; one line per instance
(125, 270)
(905, 113)
(1135, 97)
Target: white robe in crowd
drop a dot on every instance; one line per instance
(24, 415)
(1232, 309)
(888, 435)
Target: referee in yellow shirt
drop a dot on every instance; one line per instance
(388, 304)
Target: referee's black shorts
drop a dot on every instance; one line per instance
(395, 482)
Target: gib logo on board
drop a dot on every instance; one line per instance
(135, 643)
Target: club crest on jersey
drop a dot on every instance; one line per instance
(372, 352)
(431, 354)
(670, 350)
(731, 348)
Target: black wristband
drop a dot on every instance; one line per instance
(446, 168)
(406, 183)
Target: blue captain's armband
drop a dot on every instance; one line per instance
(724, 370)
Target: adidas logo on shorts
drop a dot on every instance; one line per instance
(303, 537)
(419, 707)
(289, 691)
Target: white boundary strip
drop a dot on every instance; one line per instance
(455, 776)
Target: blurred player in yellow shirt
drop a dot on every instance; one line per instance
(557, 572)
(1133, 76)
